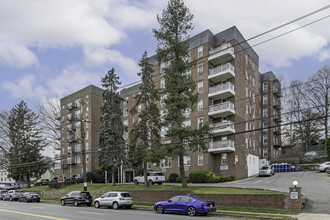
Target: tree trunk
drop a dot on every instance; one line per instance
(113, 174)
(145, 174)
(28, 181)
(182, 173)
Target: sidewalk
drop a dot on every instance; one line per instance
(312, 216)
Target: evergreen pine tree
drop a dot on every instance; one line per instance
(24, 157)
(173, 48)
(110, 137)
(144, 136)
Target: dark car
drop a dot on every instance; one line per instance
(41, 182)
(54, 180)
(12, 195)
(191, 205)
(2, 192)
(77, 198)
(29, 197)
(78, 178)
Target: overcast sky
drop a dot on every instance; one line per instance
(50, 48)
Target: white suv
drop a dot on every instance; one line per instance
(323, 167)
(114, 200)
(153, 177)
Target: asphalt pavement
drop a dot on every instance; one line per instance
(34, 211)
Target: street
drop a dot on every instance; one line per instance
(33, 211)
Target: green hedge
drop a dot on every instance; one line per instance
(61, 184)
(293, 161)
(205, 176)
(172, 177)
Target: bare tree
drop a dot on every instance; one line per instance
(49, 112)
(317, 93)
(4, 135)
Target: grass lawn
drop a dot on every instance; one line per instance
(195, 189)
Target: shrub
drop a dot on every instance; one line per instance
(91, 176)
(61, 184)
(199, 176)
(172, 178)
(178, 179)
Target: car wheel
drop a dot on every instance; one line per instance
(128, 207)
(97, 205)
(115, 205)
(150, 182)
(62, 202)
(160, 209)
(136, 182)
(191, 211)
(326, 170)
(75, 203)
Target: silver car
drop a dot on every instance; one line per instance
(323, 167)
(12, 195)
(267, 170)
(114, 200)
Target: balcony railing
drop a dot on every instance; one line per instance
(221, 68)
(219, 49)
(229, 144)
(222, 106)
(223, 125)
(221, 87)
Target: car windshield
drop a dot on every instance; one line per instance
(84, 194)
(125, 195)
(265, 168)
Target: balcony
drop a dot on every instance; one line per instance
(221, 146)
(70, 107)
(276, 118)
(221, 55)
(58, 116)
(222, 110)
(277, 130)
(221, 73)
(223, 128)
(277, 105)
(222, 91)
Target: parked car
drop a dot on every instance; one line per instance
(78, 178)
(41, 182)
(77, 198)
(311, 154)
(54, 180)
(323, 167)
(29, 197)
(191, 205)
(114, 200)
(2, 192)
(153, 177)
(12, 195)
(266, 170)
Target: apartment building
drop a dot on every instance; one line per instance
(232, 99)
(80, 107)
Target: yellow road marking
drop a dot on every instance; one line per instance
(25, 213)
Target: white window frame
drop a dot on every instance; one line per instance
(200, 68)
(200, 51)
(200, 86)
(200, 159)
(200, 105)
(224, 159)
(200, 122)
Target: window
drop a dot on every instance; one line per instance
(125, 135)
(265, 153)
(125, 123)
(87, 158)
(224, 159)
(77, 158)
(246, 110)
(125, 101)
(187, 123)
(86, 146)
(254, 97)
(246, 92)
(200, 105)
(77, 148)
(87, 111)
(162, 83)
(86, 135)
(246, 60)
(125, 112)
(247, 143)
(246, 75)
(254, 145)
(253, 67)
(200, 122)
(265, 87)
(200, 51)
(200, 69)
(253, 81)
(265, 140)
(139, 108)
(200, 87)
(265, 99)
(77, 103)
(166, 163)
(87, 99)
(265, 127)
(265, 112)
(186, 160)
(200, 159)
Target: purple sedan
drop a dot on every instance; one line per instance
(186, 204)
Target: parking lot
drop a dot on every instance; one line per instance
(315, 187)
